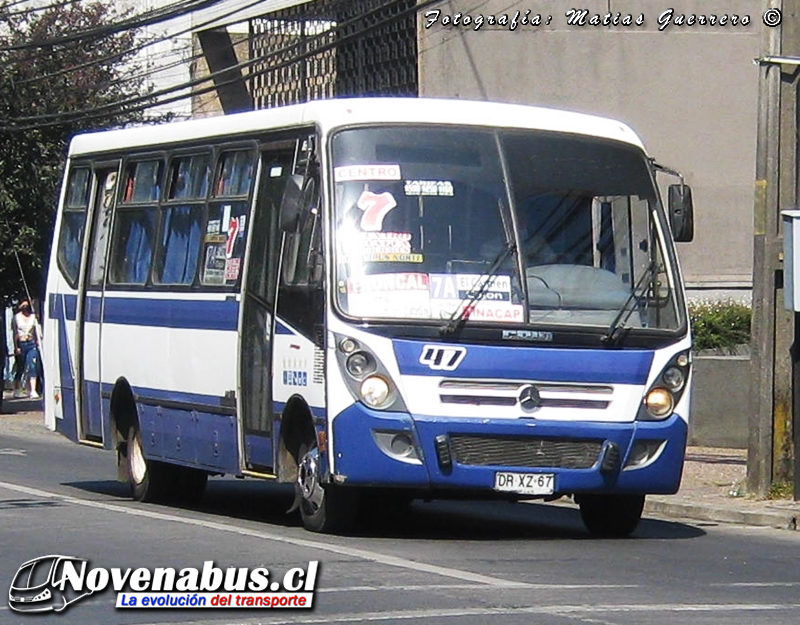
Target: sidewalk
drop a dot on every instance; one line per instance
(712, 489)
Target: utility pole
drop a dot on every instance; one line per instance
(775, 361)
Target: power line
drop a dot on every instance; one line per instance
(137, 21)
(5, 14)
(138, 48)
(155, 98)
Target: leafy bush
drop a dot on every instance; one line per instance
(720, 325)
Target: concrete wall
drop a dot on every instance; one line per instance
(689, 91)
(721, 401)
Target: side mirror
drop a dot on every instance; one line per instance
(681, 212)
(291, 204)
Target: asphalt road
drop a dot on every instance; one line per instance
(452, 563)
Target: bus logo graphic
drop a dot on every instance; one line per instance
(39, 585)
(442, 358)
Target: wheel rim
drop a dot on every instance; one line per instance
(137, 463)
(308, 481)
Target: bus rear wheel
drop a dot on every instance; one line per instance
(323, 508)
(149, 480)
(611, 516)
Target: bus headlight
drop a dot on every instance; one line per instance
(367, 378)
(659, 402)
(667, 389)
(360, 364)
(673, 379)
(375, 391)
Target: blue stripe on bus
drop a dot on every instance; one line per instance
(170, 313)
(548, 364)
(155, 395)
(152, 312)
(62, 307)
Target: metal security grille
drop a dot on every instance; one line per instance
(333, 48)
(525, 452)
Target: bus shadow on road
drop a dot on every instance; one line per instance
(496, 520)
(268, 503)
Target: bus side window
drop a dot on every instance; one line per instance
(73, 224)
(132, 246)
(134, 228)
(225, 231)
(302, 244)
(181, 223)
(104, 206)
(176, 261)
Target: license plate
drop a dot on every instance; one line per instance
(525, 483)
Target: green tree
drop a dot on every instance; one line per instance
(63, 70)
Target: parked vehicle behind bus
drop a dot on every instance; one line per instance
(375, 298)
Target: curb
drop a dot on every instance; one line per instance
(787, 519)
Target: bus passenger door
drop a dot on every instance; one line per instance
(90, 308)
(258, 309)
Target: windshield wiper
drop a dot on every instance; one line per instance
(464, 308)
(615, 333)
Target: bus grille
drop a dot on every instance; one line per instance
(525, 452)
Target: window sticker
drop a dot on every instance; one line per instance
(449, 292)
(214, 266)
(214, 226)
(429, 187)
(233, 232)
(232, 266)
(226, 217)
(382, 247)
(350, 173)
(375, 207)
(389, 295)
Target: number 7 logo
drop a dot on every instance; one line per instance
(375, 206)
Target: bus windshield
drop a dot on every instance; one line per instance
(521, 227)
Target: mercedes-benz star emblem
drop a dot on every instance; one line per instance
(529, 398)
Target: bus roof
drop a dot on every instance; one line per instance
(330, 114)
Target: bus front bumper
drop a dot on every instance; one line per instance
(453, 454)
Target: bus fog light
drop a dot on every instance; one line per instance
(673, 379)
(659, 402)
(401, 444)
(643, 453)
(375, 391)
(398, 445)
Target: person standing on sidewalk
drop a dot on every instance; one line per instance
(26, 347)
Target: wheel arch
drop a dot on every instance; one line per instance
(297, 427)
(124, 414)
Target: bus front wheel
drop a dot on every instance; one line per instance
(612, 516)
(323, 508)
(149, 480)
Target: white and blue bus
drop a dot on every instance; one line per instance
(375, 299)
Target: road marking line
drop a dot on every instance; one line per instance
(526, 586)
(758, 584)
(361, 554)
(8, 451)
(549, 610)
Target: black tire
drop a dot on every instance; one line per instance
(149, 480)
(611, 516)
(324, 508)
